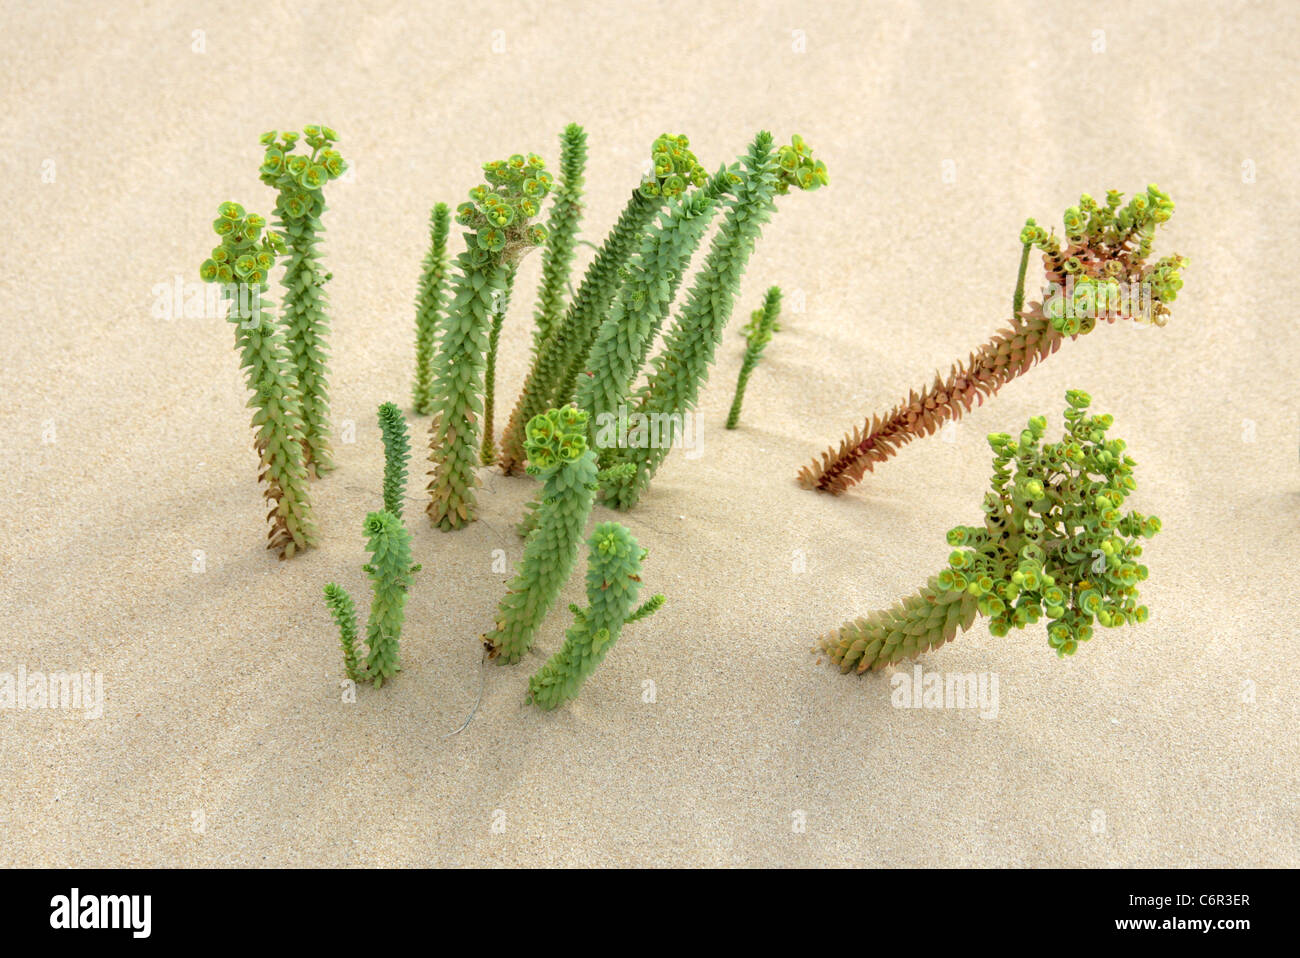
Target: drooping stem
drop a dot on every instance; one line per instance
(1029, 340)
(1053, 544)
(924, 620)
(1100, 275)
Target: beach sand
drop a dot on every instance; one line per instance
(131, 538)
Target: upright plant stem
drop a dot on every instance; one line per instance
(562, 229)
(429, 306)
(488, 455)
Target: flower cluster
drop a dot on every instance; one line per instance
(1102, 269)
(673, 168)
(798, 168)
(554, 438)
(300, 177)
(246, 253)
(499, 210)
(1055, 542)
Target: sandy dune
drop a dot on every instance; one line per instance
(224, 741)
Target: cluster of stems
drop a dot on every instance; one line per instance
(758, 333)
(613, 583)
(624, 338)
(241, 264)
(1099, 274)
(559, 357)
(680, 369)
(1054, 545)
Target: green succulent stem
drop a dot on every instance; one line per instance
(428, 307)
(758, 335)
(488, 454)
(345, 616)
(558, 455)
(240, 264)
(277, 422)
(561, 229)
(391, 574)
(397, 452)
(459, 367)
(924, 620)
(299, 178)
(1018, 299)
(307, 329)
(613, 583)
(499, 213)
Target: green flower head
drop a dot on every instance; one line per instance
(1058, 506)
(555, 437)
(672, 166)
(796, 167)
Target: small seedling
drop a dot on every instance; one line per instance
(758, 333)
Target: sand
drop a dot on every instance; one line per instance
(710, 736)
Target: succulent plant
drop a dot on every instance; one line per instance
(680, 369)
(561, 233)
(429, 306)
(397, 452)
(558, 360)
(558, 456)
(758, 333)
(1054, 544)
(1100, 274)
(613, 583)
(391, 574)
(497, 218)
(625, 337)
(241, 263)
(299, 178)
